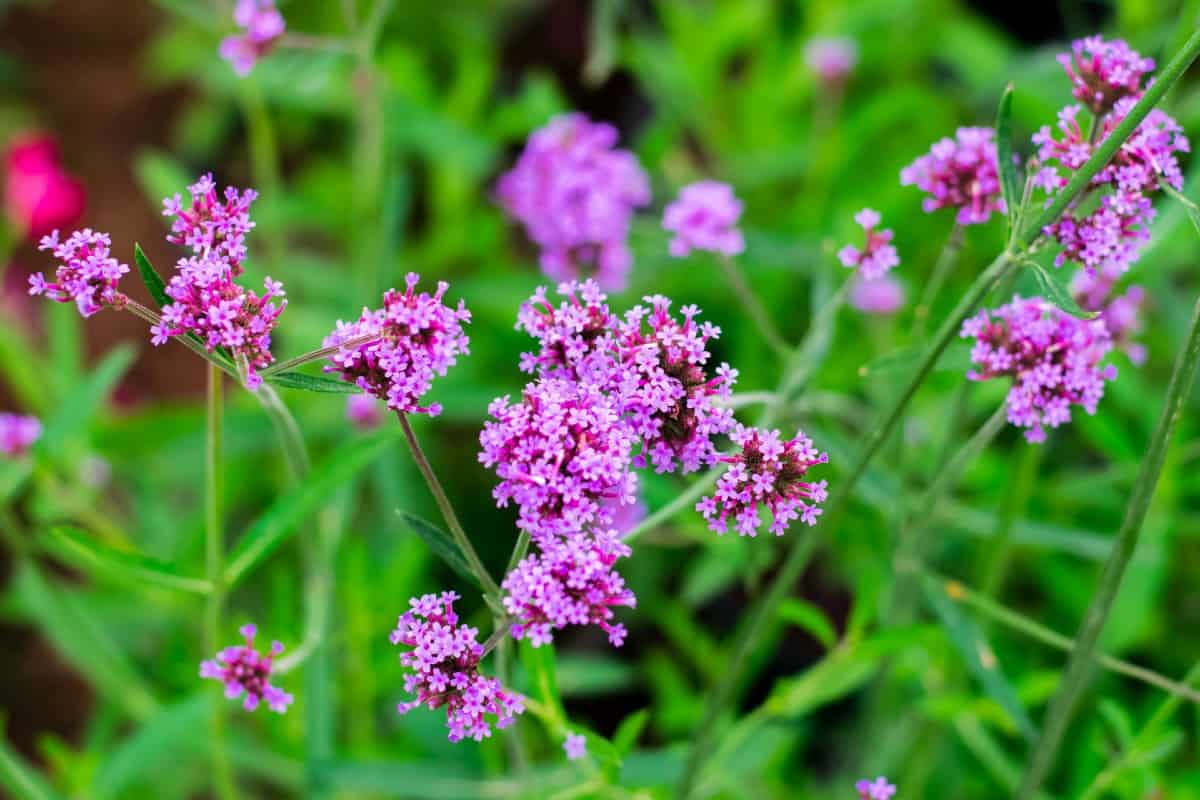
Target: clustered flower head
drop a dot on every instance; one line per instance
(767, 472)
(878, 789)
(877, 256)
(705, 217)
(18, 433)
(831, 58)
(575, 340)
(959, 173)
(39, 194)
(1103, 72)
(881, 296)
(208, 302)
(395, 352)
(244, 670)
(444, 663)
(1106, 228)
(87, 273)
(1052, 357)
(570, 582)
(576, 194)
(261, 28)
(1121, 313)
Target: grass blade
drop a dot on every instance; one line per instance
(82, 551)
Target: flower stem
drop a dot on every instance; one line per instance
(754, 306)
(941, 270)
(443, 503)
(315, 355)
(213, 554)
(1062, 706)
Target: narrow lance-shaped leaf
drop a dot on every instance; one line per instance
(440, 543)
(1010, 182)
(312, 383)
(1057, 292)
(97, 559)
(154, 282)
(80, 407)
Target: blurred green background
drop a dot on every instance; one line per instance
(381, 160)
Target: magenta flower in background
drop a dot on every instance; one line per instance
(767, 472)
(575, 193)
(444, 670)
(705, 217)
(364, 411)
(261, 28)
(208, 302)
(1121, 313)
(244, 670)
(1103, 72)
(877, 256)
(87, 273)
(670, 400)
(959, 173)
(395, 353)
(882, 296)
(561, 454)
(575, 746)
(18, 433)
(832, 58)
(625, 517)
(878, 789)
(39, 195)
(571, 582)
(1052, 357)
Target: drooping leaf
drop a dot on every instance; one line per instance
(98, 559)
(296, 506)
(81, 406)
(440, 543)
(312, 383)
(150, 277)
(809, 618)
(1056, 291)
(1010, 182)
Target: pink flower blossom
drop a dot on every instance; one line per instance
(244, 670)
(1120, 312)
(18, 433)
(575, 746)
(87, 273)
(959, 173)
(261, 28)
(705, 217)
(1104, 72)
(831, 58)
(878, 256)
(878, 789)
(364, 411)
(39, 195)
(882, 296)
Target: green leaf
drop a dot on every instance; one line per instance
(424, 781)
(21, 779)
(151, 751)
(629, 731)
(288, 512)
(978, 654)
(82, 551)
(809, 618)
(440, 543)
(312, 383)
(79, 407)
(540, 667)
(150, 277)
(1010, 182)
(1192, 210)
(1057, 292)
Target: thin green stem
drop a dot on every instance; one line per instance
(214, 548)
(315, 355)
(685, 499)
(941, 270)
(999, 552)
(1062, 706)
(443, 503)
(754, 306)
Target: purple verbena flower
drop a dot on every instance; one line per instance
(1121, 313)
(570, 582)
(959, 173)
(575, 746)
(87, 273)
(561, 453)
(394, 353)
(878, 789)
(244, 670)
(364, 411)
(881, 296)
(18, 433)
(208, 301)
(767, 472)
(1103, 72)
(261, 28)
(1052, 357)
(576, 194)
(878, 256)
(575, 339)
(705, 217)
(444, 670)
(832, 58)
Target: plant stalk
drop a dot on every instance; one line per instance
(754, 306)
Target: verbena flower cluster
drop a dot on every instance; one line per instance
(878, 256)
(959, 173)
(261, 27)
(1103, 72)
(767, 472)
(444, 663)
(245, 671)
(878, 789)
(395, 352)
(705, 217)
(575, 193)
(208, 301)
(18, 433)
(1052, 358)
(87, 273)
